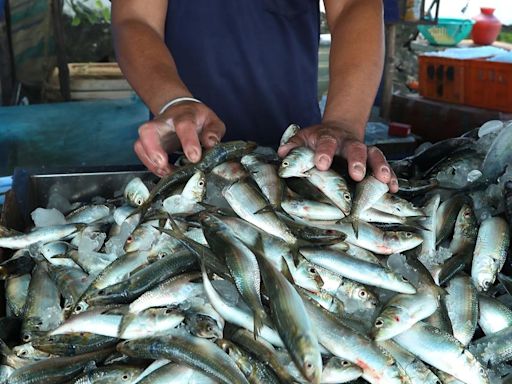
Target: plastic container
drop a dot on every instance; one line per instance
(488, 84)
(446, 32)
(442, 78)
(487, 27)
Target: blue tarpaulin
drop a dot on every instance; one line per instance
(91, 133)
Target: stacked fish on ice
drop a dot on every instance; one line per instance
(238, 269)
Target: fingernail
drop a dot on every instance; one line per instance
(193, 155)
(157, 160)
(385, 170)
(359, 169)
(324, 161)
(213, 141)
(394, 182)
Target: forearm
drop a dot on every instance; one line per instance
(355, 64)
(147, 63)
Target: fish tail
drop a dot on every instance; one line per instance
(353, 221)
(416, 221)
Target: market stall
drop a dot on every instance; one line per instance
(252, 264)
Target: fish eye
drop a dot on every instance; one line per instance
(26, 337)
(408, 234)
(209, 328)
(129, 239)
(486, 284)
(312, 270)
(168, 311)
(405, 279)
(161, 255)
(346, 196)
(201, 183)
(125, 377)
(285, 164)
(23, 353)
(345, 363)
(362, 294)
(379, 323)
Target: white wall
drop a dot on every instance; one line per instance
(452, 8)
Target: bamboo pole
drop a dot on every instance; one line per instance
(61, 53)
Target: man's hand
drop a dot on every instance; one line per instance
(187, 124)
(328, 140)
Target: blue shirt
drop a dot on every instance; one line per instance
(253, 62)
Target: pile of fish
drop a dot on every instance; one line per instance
(244, 268)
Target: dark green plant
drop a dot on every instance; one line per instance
(87, 15)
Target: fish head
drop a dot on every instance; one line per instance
(136, 192)
(195, 188)
(401, 241)
(141, 239)
(23, 351)
(309, 360)
(365, 296)
(307, 276)
(203, 326)
(297, 162)
(484, 279)
(389, 323)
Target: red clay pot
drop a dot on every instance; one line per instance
(486, 28)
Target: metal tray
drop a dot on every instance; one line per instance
(31, 188)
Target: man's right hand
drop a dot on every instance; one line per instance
(188, 125)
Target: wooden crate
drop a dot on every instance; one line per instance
(90, 81)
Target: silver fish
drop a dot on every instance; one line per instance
(248, 203)
(333, 186)
(442, 351)
(462, 304)
(358, 270)
(490, 252)
(297, 163)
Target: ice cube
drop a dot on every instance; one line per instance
(91, 241)
(58, 201)
(47, 217)
(491, 126)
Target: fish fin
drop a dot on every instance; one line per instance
(4, 349)
(141, 209)
(259, 322)
(265, 209)
(175, 230)
(285, 270)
